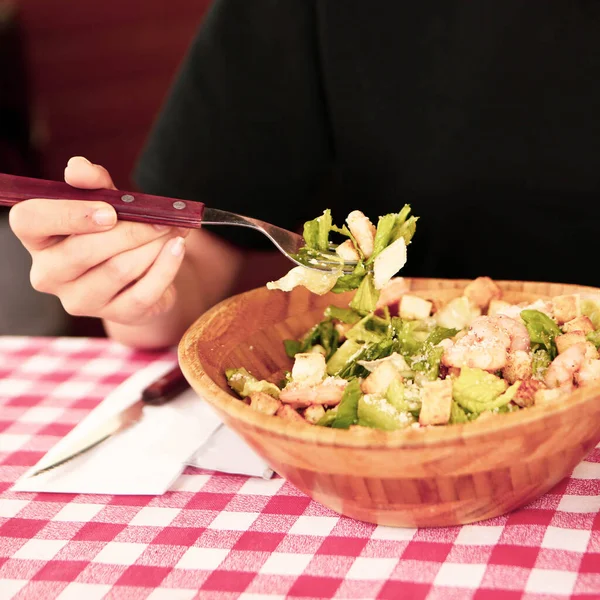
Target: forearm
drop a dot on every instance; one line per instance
(208, 274)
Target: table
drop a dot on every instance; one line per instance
(217, 536)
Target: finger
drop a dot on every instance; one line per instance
(76, 255)
(81, 173)
(38, 222)
(89, 295)
(153, 293)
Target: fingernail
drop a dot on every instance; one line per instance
(74, 158)
(183, 232)
(104, 217)
(177, 246)
(161, 227)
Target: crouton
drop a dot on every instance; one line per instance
(518, 366)
(414, 307)
(309, 368)
(392, 291)
(525, 395)
(436, 402)
(313, 413)
(264, 403)
(566, 308)
(289, 414)
(589, 373)
(380, 378)
(482, 291)
(347, 252)
(566, 340)
(583, 324)
(497, 306)
(363, 231)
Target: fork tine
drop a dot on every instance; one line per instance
(287, 242)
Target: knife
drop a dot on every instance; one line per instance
(161, 391)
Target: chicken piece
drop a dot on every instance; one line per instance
(379, 380)
(309, 368)
(392, 292)
(563, 368)
(583, 324)
(414, 307)
(482, 291)
(313, 413)
(591, 353)
(525, 395)
(496, 307)
(518, 366)
(436, 402)
(289, 414)
(566, 308)
(347, 252)
(589, 373)
(264, 403)
(566, 340)
(363, 231)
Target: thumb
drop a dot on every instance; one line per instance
(83, 174)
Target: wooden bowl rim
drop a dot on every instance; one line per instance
(194, 372)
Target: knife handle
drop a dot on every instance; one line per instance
(166, 388)
(130, 206)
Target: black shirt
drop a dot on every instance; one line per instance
(484, 116)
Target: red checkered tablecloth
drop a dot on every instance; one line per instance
(218, 536)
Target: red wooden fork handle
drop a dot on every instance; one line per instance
(130, 206)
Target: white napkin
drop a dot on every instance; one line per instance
(147, 458)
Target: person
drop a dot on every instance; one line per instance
(482, 116)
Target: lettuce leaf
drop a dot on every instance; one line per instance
(542, 331)
(369, 329)
(391, 227)
(324, 334)
(345, 315)
(594, 337)
(316, 232)
(347, 410)
(457, 414)
(351, 281)
(365, 299)
(591, 309)
(540, 361)
(476, 390)
(244, 383)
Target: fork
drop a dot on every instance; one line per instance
(160, 210)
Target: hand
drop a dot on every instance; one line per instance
(97, 266)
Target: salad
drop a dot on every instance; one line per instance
(393, 359)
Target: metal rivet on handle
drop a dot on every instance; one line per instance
(127, 198)
(179, 205)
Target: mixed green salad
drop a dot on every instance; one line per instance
(393, 359)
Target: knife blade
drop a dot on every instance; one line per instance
(161, 391)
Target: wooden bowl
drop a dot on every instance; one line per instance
(418, 477)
